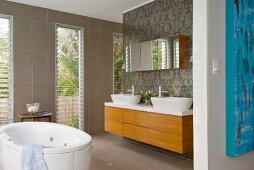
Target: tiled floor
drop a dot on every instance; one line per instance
(111, 152)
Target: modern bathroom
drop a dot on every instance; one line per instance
(126, 85)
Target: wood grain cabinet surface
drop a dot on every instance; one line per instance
(113, 120)
(174, 133)
(138, 118)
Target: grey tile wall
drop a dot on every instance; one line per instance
(34, 59)
(159, 19)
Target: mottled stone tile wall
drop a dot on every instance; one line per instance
(159, 19)
(176, 82)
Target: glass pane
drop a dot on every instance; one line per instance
(68, 55)
(5, 56)
(176, 53)
(160, 54)
(118, 63)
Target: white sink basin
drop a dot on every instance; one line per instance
(125, 99)
(174, 103)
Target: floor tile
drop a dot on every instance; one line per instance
(111, 152)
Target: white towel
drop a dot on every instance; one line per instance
(32, 158)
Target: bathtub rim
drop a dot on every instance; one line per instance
(85, 144)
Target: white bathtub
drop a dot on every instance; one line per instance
(66, 148)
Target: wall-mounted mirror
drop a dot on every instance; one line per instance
(167, 53)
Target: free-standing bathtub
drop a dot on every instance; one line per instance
(65, 148)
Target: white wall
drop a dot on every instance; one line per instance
(200, 84)
(209, 90)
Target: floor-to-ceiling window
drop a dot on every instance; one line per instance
(6, 70)
(118, 62)
(70, 75)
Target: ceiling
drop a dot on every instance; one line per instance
(111, 10)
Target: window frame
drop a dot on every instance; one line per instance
(11, 66)
(81, 70)
(124, 64)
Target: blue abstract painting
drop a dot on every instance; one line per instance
(240, 77)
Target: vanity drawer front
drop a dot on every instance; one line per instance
(137, 118)
(167, 141)
(152, 137)
(167, 124)
(137, 133)
(113, 120)
(172, 132)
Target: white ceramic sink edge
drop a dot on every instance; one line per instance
(126, 99)
(175, 103)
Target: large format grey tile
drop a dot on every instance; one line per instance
(51, 60)
(40, 94)
(51, 38)
(186, 165)
(112, 152)
(23, 65)
(116, 27)
(74, 19)
(100, 43)
(94, 43)
(30, 12)
(104, 74)
(39, 35)
(22, 34)
(94, 121)
(22, 96)
(112, 161)
(100, 93)
(52, 99)
(6, 7)
(55, 16)
(40, 66)
(107, 45)
(95, 24)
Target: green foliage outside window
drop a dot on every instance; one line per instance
(4, 56)
(118, 63)
(68, 71)
(75, 122)
(157, 55)
(68, 60)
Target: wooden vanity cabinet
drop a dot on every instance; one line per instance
(173, 133)
(138, 118)
(136, 125)
(113, 120)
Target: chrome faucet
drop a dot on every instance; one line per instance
(132, 90)
(160, 92)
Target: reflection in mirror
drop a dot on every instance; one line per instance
(171, 53)
(160, 55)
(181, 51)
(127, 63)
(176, 53)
